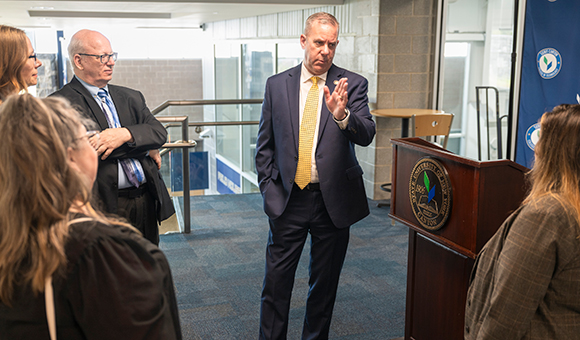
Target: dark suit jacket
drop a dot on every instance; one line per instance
(340, 174)
(148, 133)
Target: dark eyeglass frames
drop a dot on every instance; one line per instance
(104, 58)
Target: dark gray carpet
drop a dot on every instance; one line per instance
(219, 267)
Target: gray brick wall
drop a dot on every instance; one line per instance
(405, 72)
(160, 80)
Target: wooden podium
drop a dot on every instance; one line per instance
(483, 194)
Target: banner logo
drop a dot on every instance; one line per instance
(532, 135)
(430, 193)
(549, 63)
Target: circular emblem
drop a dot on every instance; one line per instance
(549, 63)
(532, 135)
(430, 193)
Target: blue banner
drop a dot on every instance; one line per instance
(550, 67)
(198, 171)
(228, 179)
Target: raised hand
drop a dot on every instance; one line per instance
(336, 102)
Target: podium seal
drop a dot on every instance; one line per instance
(430, 193)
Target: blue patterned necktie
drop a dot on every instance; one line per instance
(131, 167)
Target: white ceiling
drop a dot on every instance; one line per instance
(59, 14)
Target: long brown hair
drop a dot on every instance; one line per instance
(38, 189)
(13, 57)
(557, 162)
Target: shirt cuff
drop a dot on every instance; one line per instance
(342, 124)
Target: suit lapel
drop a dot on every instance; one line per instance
(119, 100)
(95, 110)
(334, 74)
(293, 87)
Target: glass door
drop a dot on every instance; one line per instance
(475, 51)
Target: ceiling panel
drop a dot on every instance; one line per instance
(58, 14)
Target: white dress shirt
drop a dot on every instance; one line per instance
(305, 85)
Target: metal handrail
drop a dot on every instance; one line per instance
(185, 167)
(180, 144)
(497, 121)
(186, 143)
(168, 103)
(245, 122)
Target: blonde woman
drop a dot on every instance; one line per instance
(526, 280)
(18, 62)
(108, 281)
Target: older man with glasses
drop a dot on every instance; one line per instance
(128, 181)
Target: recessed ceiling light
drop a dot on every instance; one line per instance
(171, 27)
(41, 8)
(34, 26)
(93, 14)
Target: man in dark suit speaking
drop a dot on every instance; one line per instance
(128, 180)
(310, 179)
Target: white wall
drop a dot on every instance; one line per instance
(135, 43)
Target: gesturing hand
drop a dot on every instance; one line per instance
(336, 102)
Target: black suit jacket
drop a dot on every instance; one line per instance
(339, 172)
(148, 133)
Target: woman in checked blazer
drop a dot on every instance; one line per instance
(526, 281)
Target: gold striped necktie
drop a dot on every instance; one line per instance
(306, 136)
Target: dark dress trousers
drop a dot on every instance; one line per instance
(326, 214)
(147, 132)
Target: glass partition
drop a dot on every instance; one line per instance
(227, 86)
(258, 66)
(290, 54)
(476, 51)
(223, 161)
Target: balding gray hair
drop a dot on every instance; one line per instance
(75, 46)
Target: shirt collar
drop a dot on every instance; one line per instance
(305, 75)
(93, 90)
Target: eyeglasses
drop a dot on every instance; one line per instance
(104, 58)
(32, 56)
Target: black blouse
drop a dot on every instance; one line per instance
(118, 285)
